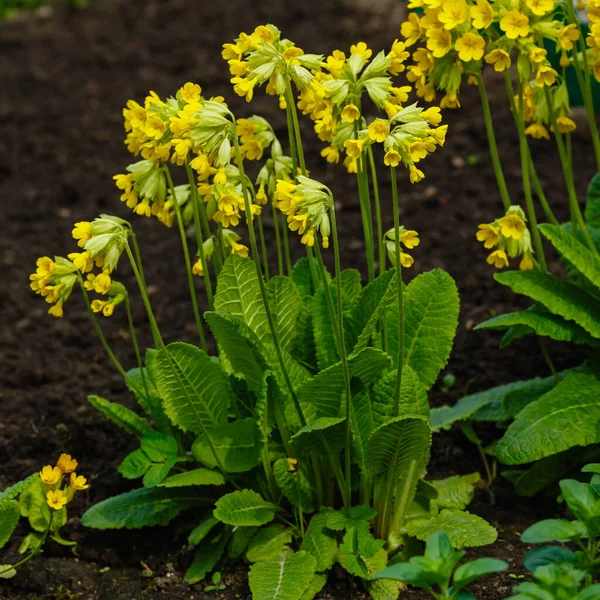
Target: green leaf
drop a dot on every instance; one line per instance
(547, 555)
(269, 543)
(320, 542)
(206, 557)
(463, 528)
(13, 491)
(120, 415)
(533, 389)
(567, 416)
(244, 508)
(294, 484)
(147, 395)
(304, 345)
(7, 572)
(554, 530)
(325, 434)
(430, 321)
(285, 303)
(381, 589)
(324, 328)
(583, 501)
(200, 476)
(592, 207)
(301, 277)
(238, 294)
(584, 260)
(557, 295)
(198, 395)
(241, 538)
(10, 513)
(140, 508)
(135, 464)
(317, 583)
(235, 443)
(455, 492)
(202, 529)
(34, 506)
(469, 572)
(158, 446)
(286, 578)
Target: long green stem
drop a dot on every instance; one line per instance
(263, 247)
(277, 239)
(344, 359)
(136, 347)
(295, 126)
(263, 291)
(491, 136)
(199, 236)
(399, 284)
(172, 366)
(380, 244)
(188, 264)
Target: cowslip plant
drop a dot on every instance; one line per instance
(42, 499)
(437, 571)
(305, 440)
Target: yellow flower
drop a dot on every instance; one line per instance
(292, 52)
(56, 310)
(567, 35)
(512, 226)
(433, 115)
(454, 12)
(540, 7)
(82, 261)
(108, 309)
(190, 92)
(350, 113)
(379, 130)
(439, 41)
(538, 55)
(417, 151)
(362, 50)
(450, 100)
(515, 24)
(406, 260)
(526, 263)
(50, 475)
(499, 58)
(198, 269)
(56, 499)
(239, 249)
(354, 147)
(416, 175)
(410, 239)
(482, 14)
(331, 154)
(470, 47)
(308, 238)
(82, 231)
(537, 131)
(78, 482)
(391, 158)
(565, 124)
(98, 305)
(488, 234)
(498, 258)
(411, 29)
(545, 75)
(66, 464)
(252, 150)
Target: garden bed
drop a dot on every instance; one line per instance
(64, 81)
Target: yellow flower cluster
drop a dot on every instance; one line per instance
(54, 281)
(458, 35)
(409, 239)
(306, 205)
(593, 39)
(53, 477)
(510, 236)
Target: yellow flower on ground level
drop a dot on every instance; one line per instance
(350, 113)
(499, 58)
(482, 15)
(50, 475)
(453, 13)
(354, 147)
(470, 47)
(498, 258)
(66, 464)
(190, 92)
(512, 226)
(526, 263)
(515, 24)
(78, 482)
(411, 29)
(545, 75)
(537, 131)
(56, 499)
(410, 239)
(540, 7)
(391, 158)
(379, 130)
(488, 234)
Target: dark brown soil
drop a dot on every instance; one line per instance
(64, 80)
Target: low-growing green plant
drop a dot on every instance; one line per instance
(10, 7)
(438, 573)
(43, 500)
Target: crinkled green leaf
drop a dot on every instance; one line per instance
(322, 435)
(244, 508)
(269, 543)
(319, 541)
(10, 514)
(592, 207)
(317, 583)
(14, 490)
(34, 506)
(120, 415)
(135, 464)
(206, 558)
(455, 492)
(285, 303)
(294, 484)
(382, 589)
(286, 578)
(240, 540)
(301, 277)
(554, 530)
(200, 476)
(202, 529)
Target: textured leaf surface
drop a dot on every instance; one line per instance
(14, 490)
(238, 294)
(294, 485)
(463, 528)
(235, 443)
(140, 508)
(324, 328)
(244, 508)
(592, 207)
(199, 395)
(198, 476)
(455, 492)
(205, 559)
(120, 415)
(10, 513)
(557, 295)
(320, 543)
(431, 317)
(202, 530)
(516, 400)
(286, 578)
(382, 589)
(301, 277)
(574, 251)
(317, 583)
(324, 433)
(285, 303)
(269, 543)
(141, 383)
(33, 505)
(567, 416)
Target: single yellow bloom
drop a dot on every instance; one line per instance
(526, 263)
(540, 7)
(499, 58)
(515, 24)
(537, 131)
(108, 309)
(198, 269)
(78, 482)
(331, 154)
(82, 232)
(50, 475)
(416, 175)
(350, 113)
(410, 239)
(411, 30)
(439, 41)
(391, 158)
(537, 54)
(239, 249)
(190, 92)
(354, 147)
(362, 50)
(470, 47)
(568, 35)
(98, 305)
(433, 115)
(450, 100)
(56, 499)
(379, 130)
(512, 226)
(56, 310)
(252, 150)
(406, 260)
(488, 234)
(308, 238)
(498, 258)
(66, 464)
(453, 13)
(482, 15)
(565, 124)
(545, 75)
(292, 52)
